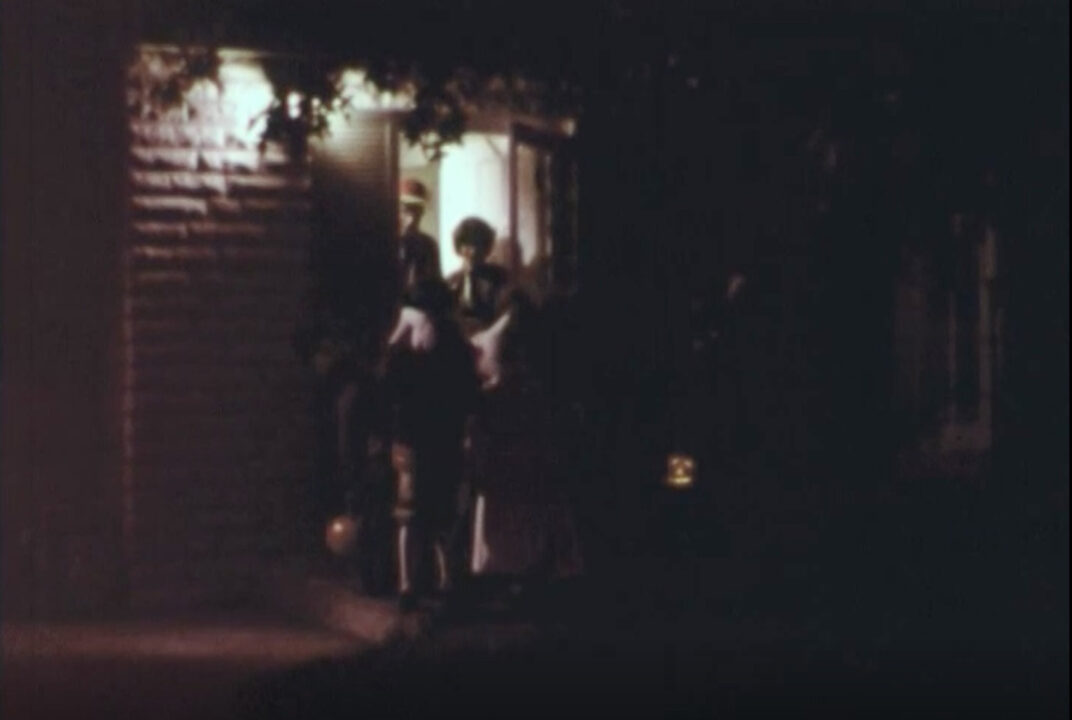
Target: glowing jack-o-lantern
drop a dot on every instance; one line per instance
(340, 535)
(680, 471)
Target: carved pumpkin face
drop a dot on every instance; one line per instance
(680, 470)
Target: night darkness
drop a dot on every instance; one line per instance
(878, 418)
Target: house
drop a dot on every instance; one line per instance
(224, 246)
(157, 427)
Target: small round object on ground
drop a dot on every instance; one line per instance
(340, 535)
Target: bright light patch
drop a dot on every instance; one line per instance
(244, 101)
(229, 109)
(473, 180)
(359, 93)
(355, 94)
(294, 102)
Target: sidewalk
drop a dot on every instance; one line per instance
(179, 669)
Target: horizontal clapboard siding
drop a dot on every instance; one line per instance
(217, 408)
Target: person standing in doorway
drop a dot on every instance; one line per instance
(479, 287)
(418, 253)
(479, 291)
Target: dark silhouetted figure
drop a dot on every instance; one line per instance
(523, 524)
(431, 388)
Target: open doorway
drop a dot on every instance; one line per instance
(471, 179)
(520, 181)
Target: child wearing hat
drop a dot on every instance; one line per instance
(418, 253)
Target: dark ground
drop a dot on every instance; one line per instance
(160, 668)
(929, 604)
(933, 605)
